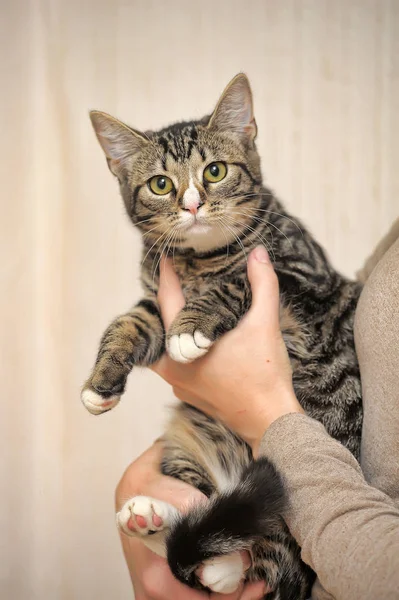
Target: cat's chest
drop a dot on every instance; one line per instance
(193, 285)
(197, 276)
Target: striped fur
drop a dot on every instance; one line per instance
(317, 308)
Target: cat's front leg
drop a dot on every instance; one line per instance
(204, 319)
(136, 338)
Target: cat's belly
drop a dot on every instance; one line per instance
(203, 452)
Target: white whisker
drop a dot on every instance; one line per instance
(165, 246)
(144, 221)
(237, 239)
(152, 229)
(220, 224)
(267, 222)
(156, 241)
(262, 240)
(271, 212)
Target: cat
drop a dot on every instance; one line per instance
(194, 189)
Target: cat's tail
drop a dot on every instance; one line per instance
(231, 521)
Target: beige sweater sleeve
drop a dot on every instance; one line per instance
(348, 530)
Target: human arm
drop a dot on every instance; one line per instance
(348, 531)
(377, 347)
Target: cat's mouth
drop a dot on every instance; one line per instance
(198, 227)
(195, 224)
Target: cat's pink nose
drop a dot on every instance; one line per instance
(192, 199)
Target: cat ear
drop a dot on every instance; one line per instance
(118, 141)
(234, 111)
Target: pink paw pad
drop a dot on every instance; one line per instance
(157, 521)
(141, 522)
(130, 524)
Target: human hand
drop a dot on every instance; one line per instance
(245, 380)
(150, 574)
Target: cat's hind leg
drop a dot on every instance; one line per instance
(148, 519)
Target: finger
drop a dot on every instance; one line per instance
(264, 286)
(255, 591)
(170, 295)
(151, 575)
(161, 584)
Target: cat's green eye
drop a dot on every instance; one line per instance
(215, 172)
(160, 185)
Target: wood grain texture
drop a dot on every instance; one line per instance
(325, 75)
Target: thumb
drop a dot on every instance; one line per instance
(264, 286)
(170, 295)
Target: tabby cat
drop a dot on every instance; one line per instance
(194, 189)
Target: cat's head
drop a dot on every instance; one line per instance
(190, 184)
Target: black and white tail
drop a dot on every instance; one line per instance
(233, 520)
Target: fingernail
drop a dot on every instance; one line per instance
(261, 254)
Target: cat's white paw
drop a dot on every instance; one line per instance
(96, 404)
(222, 574)
(142, 515)
(185, 347)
